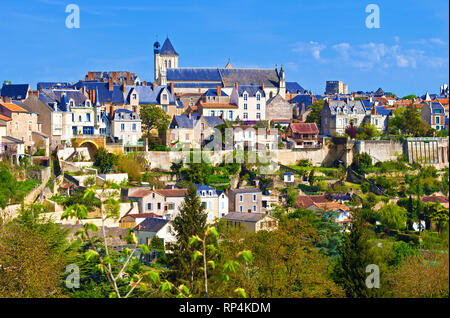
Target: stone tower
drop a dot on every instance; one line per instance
(165, 58)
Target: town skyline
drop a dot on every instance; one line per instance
(400, 57)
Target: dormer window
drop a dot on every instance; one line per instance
(258, 97)
(245, 96)
(164, 96)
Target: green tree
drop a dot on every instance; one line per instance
(367, 132)
(356, 256)
(408, 121)
(190, 222)
(315, 115)
(393, 216)
(104, 160)
(154, 117)
(361, 162)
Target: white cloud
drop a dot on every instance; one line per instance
(312, 47)
(402, 61)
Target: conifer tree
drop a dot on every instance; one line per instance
(351, 268)
(191, 221)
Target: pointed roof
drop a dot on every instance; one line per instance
(427, 97)
(167, 48)
(228, 66)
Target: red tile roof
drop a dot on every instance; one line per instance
(305, 201)
(172, 192)
(304, 128)
(13, 107)
(5, 118)
(218, 105)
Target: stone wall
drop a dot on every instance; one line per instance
(380, 150)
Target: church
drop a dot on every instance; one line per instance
(198, 79)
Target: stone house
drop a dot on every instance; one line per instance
(245, 200)
(278, 108)
(252, 222)
(303, 135)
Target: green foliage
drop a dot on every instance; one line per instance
(350, 271)
(154, 117)
(407, 121)
(315, 115)
(367, 132)
(104, 160)
(361, 162)
(393, 216)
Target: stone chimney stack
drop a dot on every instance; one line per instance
(262, 86)
(124, 88)
(128, 76)
(172, 91)
(219, 90)
(154, 86)
(111, 85)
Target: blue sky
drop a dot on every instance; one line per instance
(315, 40)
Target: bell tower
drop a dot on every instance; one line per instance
(165, 58)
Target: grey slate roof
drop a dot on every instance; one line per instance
(228, 77)
(250, 89)
(183, 121)
(342, 106)
(148, 96)
(62, 98)
(103, 94)
(246, 217)
(213, 92)
(294, 88)
(151, 225)
(167, 48)
(15, 91)
(246, 190)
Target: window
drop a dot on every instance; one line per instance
(88, 117)
(79, 118)
(258, 97)
(254, 198)
(245, 96)
(170, 63)
(187, 136)
(134, 127)
(356, 121)
(245, 106)
(150, 206)
(376, 122)
(230, 114)
(240, 209)
(258, 106)
(134, 96)
(164, 96)
(258, 115)
(241, 198)
(213, 113)
(254, 208)
(122, 127)
(159, 206)
(73, 117)
(437, 120)
(245, 115)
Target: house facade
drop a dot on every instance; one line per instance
(252, 222)
(303, 135)
(245, 200)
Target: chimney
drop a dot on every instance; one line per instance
(139, 227)
(236, 85)
(132, 74)
(171, 88)
(90, 76)
(219, 90)
(154, 86)
(114, 76)
(144, 83)
(262, 86)
(128, 76)
(110, 85)
(124, 88)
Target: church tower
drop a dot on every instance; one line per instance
(282, 88)
(165, 58)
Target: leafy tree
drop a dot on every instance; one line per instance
(421, 278)
(154, 117)
(315, 115)
(351, 268)
(411, 97)
(367, 131)
(351, 130)
(408, 121)
(104, 160)
(190, 222)
(393, 216)
(131, 167)
(438, 214)
(29, 265)
(361, 162)
(8, 187)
